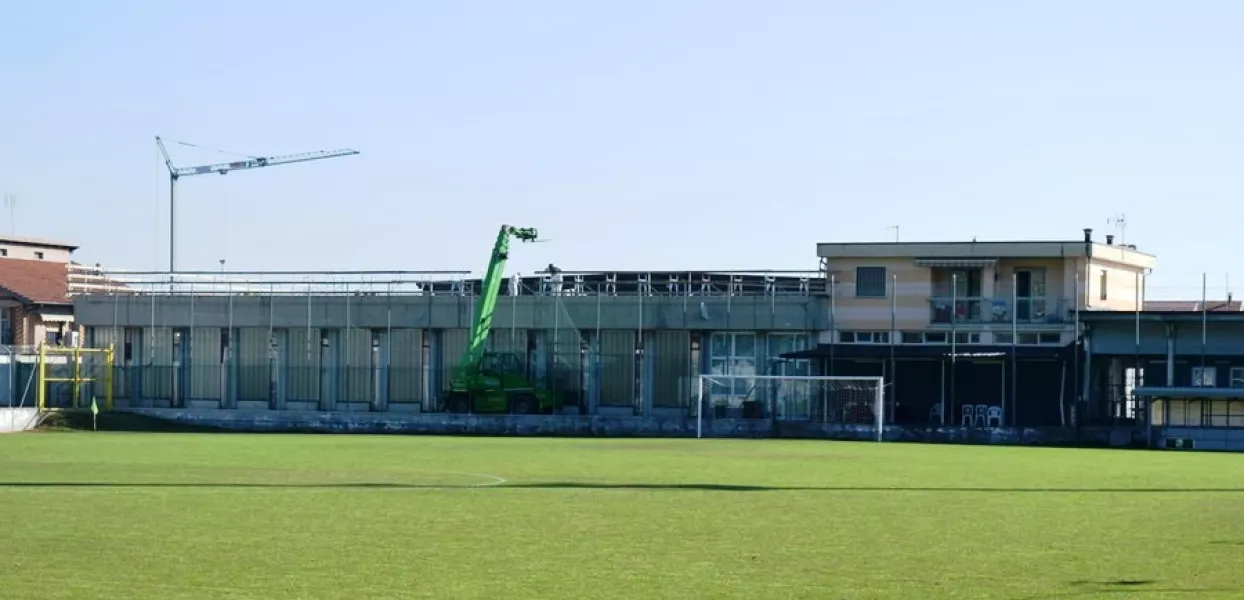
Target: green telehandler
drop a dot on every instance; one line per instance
(495, 382)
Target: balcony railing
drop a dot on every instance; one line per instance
(979, 309)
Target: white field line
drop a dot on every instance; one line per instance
(494, 480)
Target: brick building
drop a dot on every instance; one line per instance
(35, 303)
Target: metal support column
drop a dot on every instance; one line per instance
(380, 353)
(280, 368)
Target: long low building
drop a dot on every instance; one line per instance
(967, 338)
(608, 343)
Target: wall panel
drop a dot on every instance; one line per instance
(617, 373)
(303, 365)
(406, 366)
(253, 370)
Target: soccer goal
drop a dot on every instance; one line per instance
(817, 399)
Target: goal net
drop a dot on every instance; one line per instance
(816, 399)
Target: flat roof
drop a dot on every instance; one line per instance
(1188, 392)
(987, 249)
(1160, 316)
(34, 241)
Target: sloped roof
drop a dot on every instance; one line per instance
(35, 281)
(1194, 305)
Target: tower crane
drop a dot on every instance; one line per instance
(252, 162)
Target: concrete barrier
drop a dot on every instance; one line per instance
(620, 426)
(18, 419)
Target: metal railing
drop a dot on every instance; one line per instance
(981, 309)
(88, 281)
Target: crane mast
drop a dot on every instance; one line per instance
(253, 162)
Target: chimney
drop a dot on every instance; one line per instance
(1088, 235)
(1109, 240)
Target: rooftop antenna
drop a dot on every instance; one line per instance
(895, 228)
(1119, 221)
(10, 201)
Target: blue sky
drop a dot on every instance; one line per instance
(635, 135)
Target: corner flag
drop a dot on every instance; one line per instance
(94, 414)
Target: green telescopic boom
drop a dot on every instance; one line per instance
(473, 356)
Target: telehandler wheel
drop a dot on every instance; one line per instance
(522, 404)
(460, 404)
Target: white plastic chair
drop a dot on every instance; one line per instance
(982, 415)
(995, 415)
(935, 414)
(969, 415)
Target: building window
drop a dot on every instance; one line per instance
(1204, 377)
(6, 326)
(732, 354)
(39, 255)
(864, 337)
(1237, 377)
(870, 282)
(923, 337)
(967, 337)
(1030, 338)
(783, 343)
(4, 251)
(1102, 292)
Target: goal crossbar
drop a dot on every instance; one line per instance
(872, 391)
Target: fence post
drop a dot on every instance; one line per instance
(41, 393)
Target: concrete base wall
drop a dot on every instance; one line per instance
(620, 426)
(18, 419)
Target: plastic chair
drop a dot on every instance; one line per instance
(982, 415)
(969, 415)
(994, 415)
(935, 414)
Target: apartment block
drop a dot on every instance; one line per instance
(976, 292)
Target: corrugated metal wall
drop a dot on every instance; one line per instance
(453, 344)
(254, 372)
(158, 363)
(513, 341)
(303, 371)
(566, 367)
(103, 337)
(671, 368)
(617, 378)
(204, 361)
(406, 366)
(356, 373)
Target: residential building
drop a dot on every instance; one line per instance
(921, 292)
(34, 290)
(37, 280)
(971, 333)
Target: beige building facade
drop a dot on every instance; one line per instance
(1022, 292)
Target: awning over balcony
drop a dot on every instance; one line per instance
(957, 263)
(56, 314)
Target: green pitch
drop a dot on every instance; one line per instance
(220, 517)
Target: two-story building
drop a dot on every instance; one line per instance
(34, 290)
(976, 332)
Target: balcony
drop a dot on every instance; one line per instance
(980, 310)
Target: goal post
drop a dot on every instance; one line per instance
(808, 398)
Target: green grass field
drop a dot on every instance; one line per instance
(230, 516)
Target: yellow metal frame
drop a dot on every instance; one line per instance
(77, 380)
